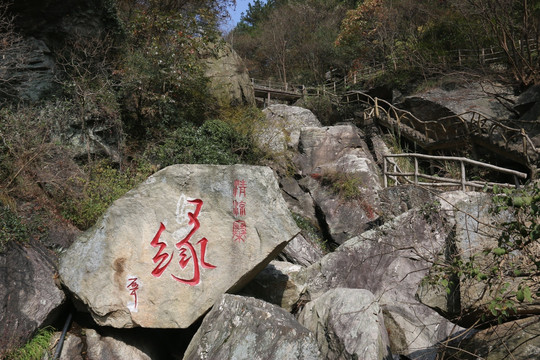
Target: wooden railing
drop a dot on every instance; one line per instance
(395, 173)
(431, 134)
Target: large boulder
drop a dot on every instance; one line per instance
(283, 125)
(244, 328)
(29, 296)
(277, 285)
(302, 251)
(336, 161)
(391, 261)
(491, 99)
(348, 324)
(229, 79)
(164, 253)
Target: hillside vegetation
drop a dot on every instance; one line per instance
(302, 40)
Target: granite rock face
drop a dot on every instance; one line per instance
(29, 296)
(391, 261)
(348, 324)
(245, 328)
(165, 252)
(229, 79)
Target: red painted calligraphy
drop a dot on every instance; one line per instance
(239, 208)
(160, 256)
(133, 287)
(239, 231)
(186, 250)
(239, 188)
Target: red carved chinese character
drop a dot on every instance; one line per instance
(239, 208)
(239, 231)
(239, 188)
(160, 257)
(184, 246)
(133, 287)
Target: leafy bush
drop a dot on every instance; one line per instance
(311, 231)
(96, 189)
(36, 348)
(215, 142)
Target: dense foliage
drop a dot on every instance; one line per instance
(302, 40)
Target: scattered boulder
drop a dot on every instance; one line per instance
(29, 296)
(109, 348)
(348, 324)
(244, 328)
(164, 253)
(276, 284)
(230, 83)
(302, 251)
(391, 261)
(71, 348)
(512, 340)
(282, 127)
(338, 156)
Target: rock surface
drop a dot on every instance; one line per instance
(230, 83)
(164, 253)
(109, 348)
(277, 285)
(391, 262)
(243, 328)
(284, 123)
(512, 340)
(330, 151)
(491, 99)
(29, 297)
(348, 324)
(302, 251)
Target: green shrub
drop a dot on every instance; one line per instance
(36, 348)
(215, 142)
(96, 189)
(347, 186)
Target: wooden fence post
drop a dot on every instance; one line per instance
(385, 179)
(463, 176)
(376, 108)
(415, 170)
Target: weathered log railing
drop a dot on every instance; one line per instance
(395, 172)
(447, 131)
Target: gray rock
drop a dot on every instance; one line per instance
(229, 78)
(302, 251)
(277, 285)
(108, 348)
(491, 99)
(29, 296)
(243, 328)
(476, 228)
(512, 340)
(396, 200)
(391, 262)
(325, 152)
(28, 70)
(71, 348)
(164, 253)
(348, 324)
(281, 130)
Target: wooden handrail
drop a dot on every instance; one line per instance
(443, 181)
